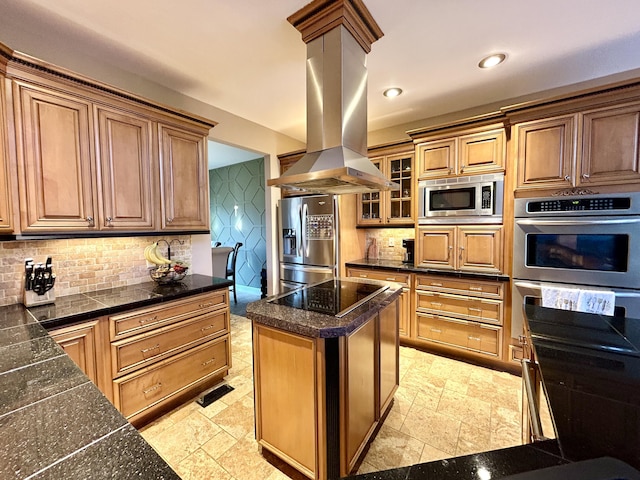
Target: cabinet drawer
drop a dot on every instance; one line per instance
(140, 391)
(460, 285)
(402, 278)
(458, 306)
(141, 350)
(137, 321)
(459, 333)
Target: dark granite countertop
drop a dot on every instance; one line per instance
(399, 266)
(84, 306)
(55, 423)
(321, 325)
(590, 366)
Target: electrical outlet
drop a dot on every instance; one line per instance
(392, 242)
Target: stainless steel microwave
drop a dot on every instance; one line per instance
(471, 199)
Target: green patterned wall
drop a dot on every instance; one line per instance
(237, 214)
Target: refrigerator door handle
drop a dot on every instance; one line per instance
(303, 233)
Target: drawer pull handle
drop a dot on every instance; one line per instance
(436, 330)
(472, 309)
(391, 279)
(209, 362)
(205, 305)
(145, 320)
(471, 337)
(208, 327)
(152, 389)
(436, 304)
(155, 347)
(362, 275)
(476, 289)
(434, 284)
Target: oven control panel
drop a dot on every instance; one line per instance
(579, 204)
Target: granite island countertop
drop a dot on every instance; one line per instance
(54, 422)
(322, 325)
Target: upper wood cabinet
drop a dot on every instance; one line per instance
(470, 248)
(6, 220)
(546, 152)
(91, 158)
(470, 153)
(592, 140)
(127, 170)
(56, 162)
(184, 174)
(393, 207)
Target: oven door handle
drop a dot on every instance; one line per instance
(585, 222)
(534, 412)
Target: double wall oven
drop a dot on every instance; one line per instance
(589, 241)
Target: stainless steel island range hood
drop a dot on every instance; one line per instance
(338, 34)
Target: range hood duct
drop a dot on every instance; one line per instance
(336, 159)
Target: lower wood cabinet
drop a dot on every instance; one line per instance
(148, 360)
(79, 342)
(318, 401)
(465, 314)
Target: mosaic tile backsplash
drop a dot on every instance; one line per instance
(237, 213)
(83, 265)
(383, 237)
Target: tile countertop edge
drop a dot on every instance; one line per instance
(399, 266)
(155, 296)
(27, 357)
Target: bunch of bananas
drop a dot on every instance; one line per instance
(152, 255)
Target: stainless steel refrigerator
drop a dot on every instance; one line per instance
(308, 240)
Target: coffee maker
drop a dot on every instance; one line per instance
(408, 245)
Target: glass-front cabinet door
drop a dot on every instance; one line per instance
(401, 201)
(370, 205)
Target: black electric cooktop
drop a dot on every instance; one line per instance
(333, 297)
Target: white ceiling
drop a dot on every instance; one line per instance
(244, 57)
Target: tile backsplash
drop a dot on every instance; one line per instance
(83, 265)
(383, 237)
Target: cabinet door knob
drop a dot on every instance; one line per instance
(109, 220)
(585, 176)
(567, 178)
(169, 220)
(90, 221)
(462, 168)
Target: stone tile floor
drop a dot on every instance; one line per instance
(443, 408)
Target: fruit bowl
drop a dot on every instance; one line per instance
(165, 274)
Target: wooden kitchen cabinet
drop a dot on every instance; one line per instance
(56, 160)
(464, 314)
(92, 158)
(394, 206)
(80, 343)
(475, 152)
(165, 354)
(589, 146)
(6, 200)
(185, 181)
(128, 173)
(405, 279)
(470, 248)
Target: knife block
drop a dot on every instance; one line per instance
(32, 299)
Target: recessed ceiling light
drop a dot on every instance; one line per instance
(492, 60)
(392, 92)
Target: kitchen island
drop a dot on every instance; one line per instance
(324, 383)
(54, 422)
